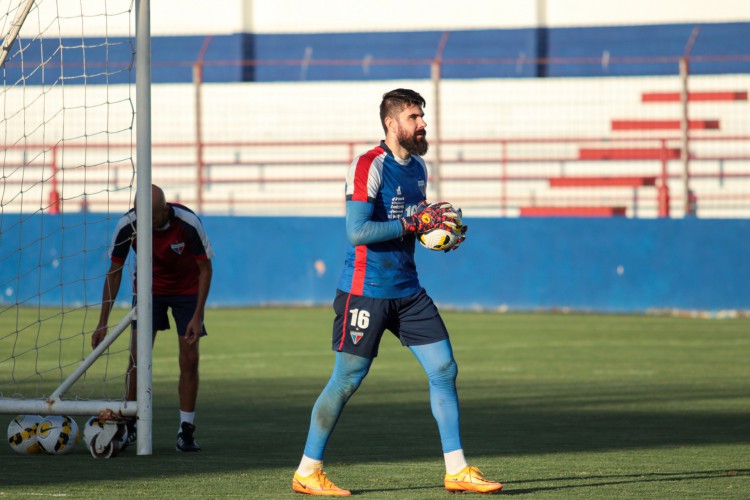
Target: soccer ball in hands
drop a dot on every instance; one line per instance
(22, 436)
(104, 438)
(57, 434)
(437, 239)
(443, 238)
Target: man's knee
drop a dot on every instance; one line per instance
(347, 378)
(444, 372)
(189, 363)
(188, 358)
(346, 386)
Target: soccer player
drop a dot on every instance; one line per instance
(182, 274)
(379, 289)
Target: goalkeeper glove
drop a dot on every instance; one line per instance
(460, 239)
(428, 217)
(458, 228)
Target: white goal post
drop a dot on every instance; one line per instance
(68, 126)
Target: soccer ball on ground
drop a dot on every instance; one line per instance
(104, 438)
(22, 436)
(57, 434)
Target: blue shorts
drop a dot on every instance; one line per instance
(183, 307)
(360, 322)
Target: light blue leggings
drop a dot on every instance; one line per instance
(348, 373)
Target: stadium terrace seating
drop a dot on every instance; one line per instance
(602, 181)
(664, 124)
(717, 95)
(579, 211)
(628, 153)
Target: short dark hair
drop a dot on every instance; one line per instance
(396, 100)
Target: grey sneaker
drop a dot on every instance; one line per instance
(185, 439)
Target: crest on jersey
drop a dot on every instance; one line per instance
(178, 247)
(422, 185)
(356, 337)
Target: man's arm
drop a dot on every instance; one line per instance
(361, 230)
(195, 327)
(111, 287)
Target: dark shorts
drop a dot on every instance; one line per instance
(183, 307)
(361, 321)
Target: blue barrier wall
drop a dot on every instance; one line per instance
(615, 265)
(468, 54)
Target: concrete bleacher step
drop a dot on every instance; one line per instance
(628, 153)
(664, 124)
(715, 95)
(575, 211)
(632, 181)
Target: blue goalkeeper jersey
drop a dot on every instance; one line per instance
(394, 188)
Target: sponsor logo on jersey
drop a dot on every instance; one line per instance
(397, 207)
(178, 247)
(356, 337)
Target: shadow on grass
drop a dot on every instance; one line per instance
(610, 480)
(582, 482)
(256, 426)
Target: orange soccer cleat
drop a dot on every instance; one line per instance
(317, 483)
(470, 479)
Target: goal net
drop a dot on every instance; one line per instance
(67, 144)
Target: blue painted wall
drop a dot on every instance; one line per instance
(615, 265)
(278, 55)
(654, 41)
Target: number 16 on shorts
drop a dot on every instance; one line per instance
(356, 329)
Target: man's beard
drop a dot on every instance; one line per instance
(414, 145)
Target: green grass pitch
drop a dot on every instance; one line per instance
(553, 406)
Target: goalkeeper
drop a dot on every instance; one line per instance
(379, 289)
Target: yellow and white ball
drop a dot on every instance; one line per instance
(57, 434)
(437, 239)
(22, 436)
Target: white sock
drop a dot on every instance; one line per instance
(308, 465)
(454, 461)
(186, 416)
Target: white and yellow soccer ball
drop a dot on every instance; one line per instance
(104, 438)
(57, 434)
(22, 436)
(437, 239)
(443, 238)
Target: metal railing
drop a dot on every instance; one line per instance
(494, 176)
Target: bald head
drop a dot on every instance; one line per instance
(159, 207)
(158, 200)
